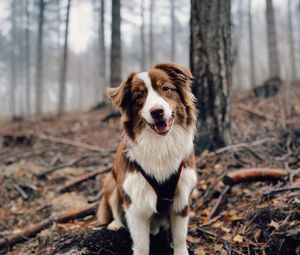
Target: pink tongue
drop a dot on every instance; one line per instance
(162, 127)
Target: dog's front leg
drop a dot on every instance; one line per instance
(179, 229)
(139, 227)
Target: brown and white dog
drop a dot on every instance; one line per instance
(154, 171)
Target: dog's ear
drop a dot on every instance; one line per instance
(120, 96)
(177, 73)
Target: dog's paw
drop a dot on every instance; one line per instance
(115, 225)
(181, 251)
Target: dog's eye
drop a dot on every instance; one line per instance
(139, 95)
(165, 89)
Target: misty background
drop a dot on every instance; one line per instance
(85, 85)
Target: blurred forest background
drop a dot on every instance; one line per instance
(59, 56)
(55, 55)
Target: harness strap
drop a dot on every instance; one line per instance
(165, 191)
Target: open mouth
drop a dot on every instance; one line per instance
(162, 127)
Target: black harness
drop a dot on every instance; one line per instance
(165, 191)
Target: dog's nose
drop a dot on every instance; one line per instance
(157, 112)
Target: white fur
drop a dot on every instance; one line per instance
(139, 226)
(142, 195)
(179, 230)
(160, 156)
(153, 100)
(185, 186)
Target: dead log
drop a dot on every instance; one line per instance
(250, 174)
(83, 178)
(23, 235)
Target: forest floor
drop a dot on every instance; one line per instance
(51, 170)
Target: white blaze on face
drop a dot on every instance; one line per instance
(153, 100)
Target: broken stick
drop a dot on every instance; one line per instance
(250, 174)
(30, 231)
(82, 178)
(72, 143)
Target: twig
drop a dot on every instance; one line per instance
(32, 230)
(279, 190)
(70, 164)
(256, 112)
(82, 178)
(71, 143)
(220, 198)
(249, 174)
(21, 191)
(25, 155)
(239, 146)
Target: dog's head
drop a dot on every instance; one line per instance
(157, 99)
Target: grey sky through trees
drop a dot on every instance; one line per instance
(83, 46)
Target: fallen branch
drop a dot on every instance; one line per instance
(250, 174)
(83, 178)
(21, 191)
(220, 199)
(70, 164)
(279, 190)
(253, 111)
(19, 236)
(72, 143)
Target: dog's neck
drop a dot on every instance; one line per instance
(160, 156)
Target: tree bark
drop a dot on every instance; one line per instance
(27, 59)
(272, 40)
(12, 90)
(143, 49)
(251, 44)
(102, 55)
(173, 45)
(291, 42)
(39, 60)
(63, 69)
(211, 65)
(115, 54)
(151, 39)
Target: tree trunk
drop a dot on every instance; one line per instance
(151, 42)
(251, 44)
(173, 46)
(272, 40)
(12, 90)
(115, 54)
(211, 65)
(39, 61)
(143, 49)
(291, 42)
(102, 55)
(238, 62)
(27, 59)
(63, 69)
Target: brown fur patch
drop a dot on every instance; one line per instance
(184, 212)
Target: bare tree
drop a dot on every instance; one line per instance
(210, 61)
(63, 69)
(102, 55)
(251, 44)
(272, 40)
(39, 60)
(27, 58)
(12, 90)
(291, 42)
(115, 54)
(143, 47)
(151, 41)
(173, 45)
